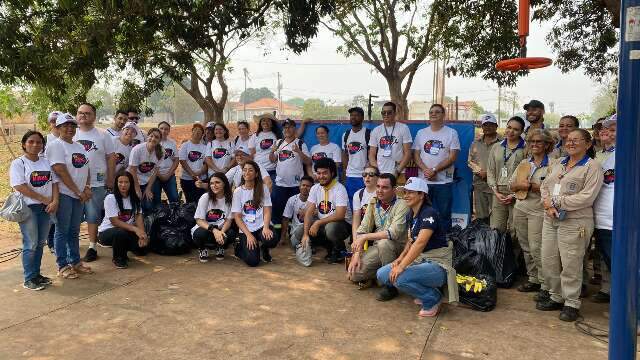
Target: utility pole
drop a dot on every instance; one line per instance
(499, 101)
(457, 117)
(370, 105)
(244, 101)
(279, 95)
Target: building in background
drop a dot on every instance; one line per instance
(236, 111)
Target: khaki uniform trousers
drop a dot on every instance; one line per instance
(529, 232)
(482, 202)
(563, 246)
(381, 253)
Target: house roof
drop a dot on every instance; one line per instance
(266, 103)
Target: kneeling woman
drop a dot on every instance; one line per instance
(122, 226)
(214, 223)
(425, 263)
(251, 209)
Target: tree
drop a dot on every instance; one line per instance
(314, 108)
(605, 101)
(397, 36)
(250, 95)
(296, 101)
(477, 110)
(361, 101)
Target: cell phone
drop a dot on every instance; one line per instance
(562, 214)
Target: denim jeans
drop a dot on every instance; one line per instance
(353, 184)
(146, 204)
(190, 191)
(420, 281)
(170, 188)
(94, 208)
(272, 175)
(34, 235)
(279, 197)
(66, 238)
(441, 196)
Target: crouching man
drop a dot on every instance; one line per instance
(381, 235)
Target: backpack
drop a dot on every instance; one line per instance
(360, 195)
(367, 136)
(235, 142)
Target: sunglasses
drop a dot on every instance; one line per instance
(385, 113)
(134, 118)
(370, 174)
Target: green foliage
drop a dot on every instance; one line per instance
(297, 101)
(10, 104)
(251, 94)
(605, 102)
(314, 108)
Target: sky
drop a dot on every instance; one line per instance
(323, 73)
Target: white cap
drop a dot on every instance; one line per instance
(243, 149)
(488, 118)
(65, 118)
(611, 121)
(416, 184)
(53, 116)
(131, 125)
(211, 124)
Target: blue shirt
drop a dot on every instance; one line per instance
(427, 218)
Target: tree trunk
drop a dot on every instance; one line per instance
(395, 90)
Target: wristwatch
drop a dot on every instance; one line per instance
(434, 170)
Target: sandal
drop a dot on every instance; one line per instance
(67, 272)
(430, 312)
(82, 268)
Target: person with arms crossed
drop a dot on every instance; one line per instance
(477, 160)
(390, 143)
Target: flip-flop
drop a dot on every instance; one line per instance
(67, 272)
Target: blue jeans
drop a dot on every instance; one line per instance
(94, 208)
(146, 204)
(34, 235)
(603, 245)
(279, 198)
(353, 184)
(66, 238)
(170, 188)
(441, 196)
(272, 175)
(419, 281)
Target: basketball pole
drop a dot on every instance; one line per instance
(626, 233)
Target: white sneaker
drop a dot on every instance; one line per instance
(220, 254)
(204, 256)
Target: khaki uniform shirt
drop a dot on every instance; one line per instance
(603, 154)
(394, 220)
(501, 165)
(479, 156)
(573, 190)
(532, 205)
(558, 151)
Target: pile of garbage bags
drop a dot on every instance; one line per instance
(169, 228)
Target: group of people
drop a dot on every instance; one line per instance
(256, 190)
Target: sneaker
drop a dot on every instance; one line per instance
(220, 254)
(549, 305)
(569, 314)
(120, 263)
(335, 257)
(52, 250)
(542, 295)
(600, 298)
(596, 279)
(32, 285)
(363, 285)
(91, 255)
(203, 255)
(266, 256)
(528, 287)
(43, 280)
(430, 312)
(104, 245)
(387, 293)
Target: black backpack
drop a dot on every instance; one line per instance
(367, 136)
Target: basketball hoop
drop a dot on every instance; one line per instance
(523, 62)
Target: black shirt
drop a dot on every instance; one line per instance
(427, 218)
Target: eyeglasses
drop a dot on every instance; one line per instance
(574, 141)
(387, 112)
(370, 174)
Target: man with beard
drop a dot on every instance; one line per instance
(355, 149)
(119, 120)
(535, 115)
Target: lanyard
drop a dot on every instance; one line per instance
(387, 133)
(543, 164)
(385, 212)
(504, 154)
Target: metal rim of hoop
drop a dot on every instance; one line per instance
(526, 63)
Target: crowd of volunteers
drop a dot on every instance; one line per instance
(552, 191)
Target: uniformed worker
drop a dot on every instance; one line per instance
(567, 124)
(503, 160)
(477, 161)
(528, 212)
(568, 193)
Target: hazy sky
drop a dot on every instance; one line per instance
(322, 72)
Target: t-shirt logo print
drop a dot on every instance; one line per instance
(78, 160)
(219, 153)
(215, 215)
(194, 156)
(285, 155)
(88, 145)
(319, 155)
(119, 159)
(435, 144)
(354, 147)
(266, 144)
(610, 176)
(325, 207)
(40, 178)
(146, 166)
(168, 153)
(387, 141)
(124, 215)
(249, 207)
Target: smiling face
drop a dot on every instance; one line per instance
(537, 145)
(566, 126)
(577, 145)
(534, 114)
(355, 118)
(608, 135)
(248, 172)
(196, 135)
(436, 115)
(216, 185)
(219, 132)
(489, 129)
(265, 124)
(324, 176)
(289, 131)
(243, 130)
(413, 198)
(127, 135)
(513, 130)
(67, 131)
(154, 138)
(322, 135)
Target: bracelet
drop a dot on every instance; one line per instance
(211, 227)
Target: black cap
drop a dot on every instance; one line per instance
(534, 104)
(357, 109)
(288, 122)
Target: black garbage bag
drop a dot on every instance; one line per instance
(473, 263)
(171, 241)
(480, 297)
(186, 215)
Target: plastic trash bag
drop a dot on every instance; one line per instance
(171, 241)
(479, 292)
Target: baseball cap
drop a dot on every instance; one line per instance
(611, 121)
(488, 118)
(131, 125)
(416, 184)
(242, 149)
(210, 125)
(357, 109)
(53, 116)
(65, 118)
(534, 104)
(288, 122)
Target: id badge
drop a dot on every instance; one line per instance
(100, 177)
(434, 150)
(504, 173)
(386, 152)
(556, 190)
(251, 217)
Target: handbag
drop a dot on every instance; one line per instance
(15, 208)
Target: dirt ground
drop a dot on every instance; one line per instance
(177, 308)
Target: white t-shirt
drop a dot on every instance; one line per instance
(252, 215)
(139, 138)
(435, 147)
(337, 197)
(194, 155)
(362, 205)
(213, 212)
(263, 142)
(331, 151)
(170, 153)
(356, 147)
(51, 138)
(239, 143)
(76, 159)
(144, 161)
(389, 141)
(603, 206)
(235, 175)
(122, 153)
(221, 152)
(98, 145)
(290, 168)
(114, 133)
(111, 210)
(37, 175)
(295, 210)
